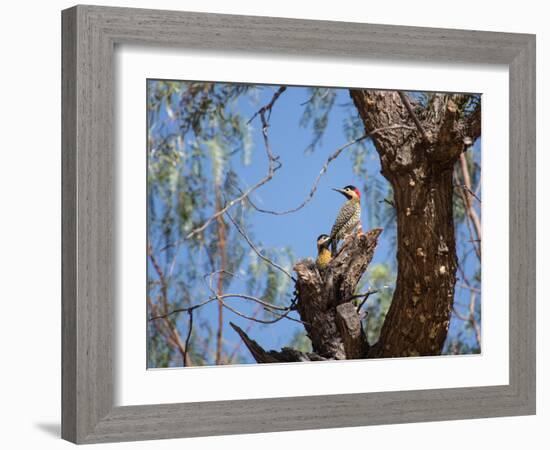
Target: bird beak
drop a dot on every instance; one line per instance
(340, 190)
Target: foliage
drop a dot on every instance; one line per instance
(196, 136)
(381, 278)
(300, 342)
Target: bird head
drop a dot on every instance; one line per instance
(350, 192)
(323, 241)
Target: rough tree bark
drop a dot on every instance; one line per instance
(325, 303)
(419, 166)
(418, 162)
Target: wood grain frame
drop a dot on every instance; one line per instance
(90, 34)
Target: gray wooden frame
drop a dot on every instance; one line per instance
(90, 34)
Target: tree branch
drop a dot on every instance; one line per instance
(171, 335)
(470, 317)
(214, 298)
(267, 108)
(285, 355)
(255, 249)
(240, 342)
(273, 165)
(472, 214)
(365, 296)
(188, 339)
(468, 190)
(324, 170)
(409, 109)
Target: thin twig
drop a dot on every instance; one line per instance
(459, 315)
(267, 108)
(246, 297)
(468, 190)
(188, 339)
(470, 288)
(469, 223)
(180, 310)
(256, 300)
(324, 169)
(171, 334)
(265, 322)
(271, 171)
(273, 165)
(239, 343)
(470, 317)
(267, 306)
(365, 297)
(468, 184)
(224, 296)
(285, 315)
(389, 202)
(215, 272)
(255, 249)
(409, 109)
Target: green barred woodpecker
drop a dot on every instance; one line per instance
(348, 217)
(323, 253)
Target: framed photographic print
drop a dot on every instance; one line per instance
(268, 222)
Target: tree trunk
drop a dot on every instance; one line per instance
(419, 163)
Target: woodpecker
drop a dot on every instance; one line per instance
(323, 253)
(348, 217)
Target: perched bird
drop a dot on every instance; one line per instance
(323, 253)
(348, 217)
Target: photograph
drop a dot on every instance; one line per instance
(311, 223)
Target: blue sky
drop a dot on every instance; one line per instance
(289, 188)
